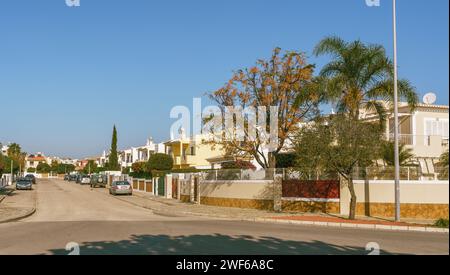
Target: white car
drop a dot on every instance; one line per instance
(86, 180)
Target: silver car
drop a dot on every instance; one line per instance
(24, 184)
(121, 188)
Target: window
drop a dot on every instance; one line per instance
(436, 127)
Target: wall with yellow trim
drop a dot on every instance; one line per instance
(418, 200)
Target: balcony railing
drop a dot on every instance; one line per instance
(420, 139)
(404, 139)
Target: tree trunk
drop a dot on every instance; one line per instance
(270, 171)
(353, 199)
(272, 160)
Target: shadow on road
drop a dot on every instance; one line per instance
(211, 245)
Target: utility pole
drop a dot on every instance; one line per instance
(396, 123)
(12, 172)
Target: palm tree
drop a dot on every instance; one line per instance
(360, 76)
(443, 164)
(405, 154)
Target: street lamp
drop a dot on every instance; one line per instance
(396, 123)
(12, 172)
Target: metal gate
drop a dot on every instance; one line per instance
(161, 186)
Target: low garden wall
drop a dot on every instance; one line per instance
(257, 194)
(311, 196)
(419, 199)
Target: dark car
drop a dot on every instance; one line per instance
(98, 181)
(24, 184)
(66, 177)
(73, 177)
(31, 177)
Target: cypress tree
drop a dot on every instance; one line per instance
(113, 157)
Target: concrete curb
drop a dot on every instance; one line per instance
(291, 222)
(22, 216)
(9, 193)
(357, 226)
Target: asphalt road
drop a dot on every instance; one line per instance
(100, 224)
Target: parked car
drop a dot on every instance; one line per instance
(73, 177)
(85, 180)
(66, 177)
(121, 188)
(31, 177)
(24, 184)
(98, 181)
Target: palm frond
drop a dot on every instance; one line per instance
(330, 45)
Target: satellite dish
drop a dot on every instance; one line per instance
(429, 98)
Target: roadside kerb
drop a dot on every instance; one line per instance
(278, 221)
(10, 191)
(22, 216)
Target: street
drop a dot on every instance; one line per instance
(101, 224)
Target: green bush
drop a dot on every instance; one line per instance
(442, 223)
(43, 168)
(31, 170)
(286, 160)
(139, 167)
(160, 162)
(141, 175)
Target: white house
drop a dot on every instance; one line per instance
(140, 154)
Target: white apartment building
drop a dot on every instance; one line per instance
(4, 149)
(140, 154)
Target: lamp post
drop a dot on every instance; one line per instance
(396, 123)
(12, 172)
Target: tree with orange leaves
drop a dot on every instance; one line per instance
(286, 82)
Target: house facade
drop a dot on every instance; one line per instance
(140, 154)
(192, 152)
(424, 130)
(32, 161)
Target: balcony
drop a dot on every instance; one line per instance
(186, 160)
(421, 140)
(424, 146)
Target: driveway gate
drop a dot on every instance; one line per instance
(161, 186)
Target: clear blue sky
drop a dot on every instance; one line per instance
(68, 74)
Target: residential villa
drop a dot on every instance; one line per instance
(192, 152)
(32, 161)
(140, 154)
(423, 129)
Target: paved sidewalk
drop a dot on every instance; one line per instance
(5, 191)
(171, 207)
(16, 205)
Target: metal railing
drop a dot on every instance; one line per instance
(426, 140)
(240, 174)
(412, 173)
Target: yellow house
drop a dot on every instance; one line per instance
(191, 152)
